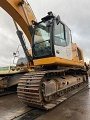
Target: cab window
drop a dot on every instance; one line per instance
(61, 35)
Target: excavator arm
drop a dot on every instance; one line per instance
(21, 12)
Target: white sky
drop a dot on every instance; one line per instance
(74, 13)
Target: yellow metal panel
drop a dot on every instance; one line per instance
(74, 52)
(57, 61)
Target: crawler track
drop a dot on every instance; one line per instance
(32, 88)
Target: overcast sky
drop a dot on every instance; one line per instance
(74, 13)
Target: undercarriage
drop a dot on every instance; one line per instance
(47, 89)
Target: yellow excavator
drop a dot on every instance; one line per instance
(59, 70)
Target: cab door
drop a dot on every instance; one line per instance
(62, 41)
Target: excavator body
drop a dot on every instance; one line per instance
(59, 70)
(59, 65)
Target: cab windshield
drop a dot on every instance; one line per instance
(42, 45)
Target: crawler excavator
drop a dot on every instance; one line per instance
(59, 70)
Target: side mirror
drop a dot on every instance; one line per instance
(58, 19)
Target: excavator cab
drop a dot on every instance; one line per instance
(52, 38)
